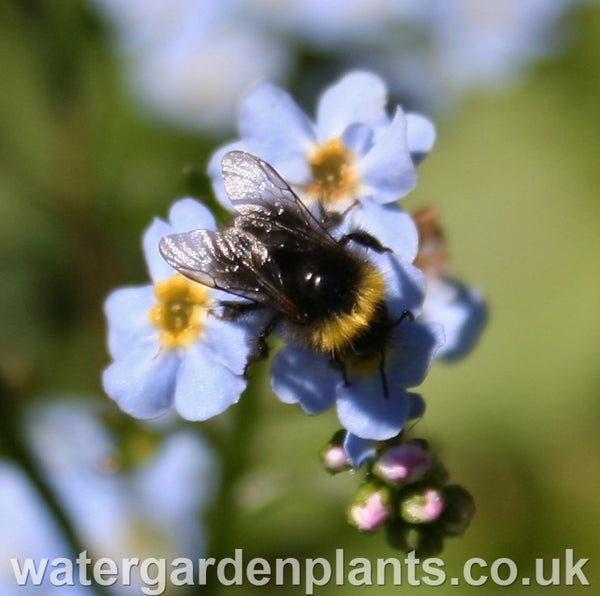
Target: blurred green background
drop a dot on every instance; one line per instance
(515, 175)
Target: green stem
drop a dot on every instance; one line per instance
(234, 451)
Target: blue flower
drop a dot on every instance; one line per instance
(354, 158)
(116, 512)
(169, 349)
(187, 62)
(459, 308)
(28, 531)
(309, 379)
(359, 450)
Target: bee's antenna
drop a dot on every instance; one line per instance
(384, 383)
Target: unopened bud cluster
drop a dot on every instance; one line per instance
(405, 491)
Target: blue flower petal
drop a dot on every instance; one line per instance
(358, 138)
(358, 450)
(462, 312)
(157, 267)
(414, 345)
(214, 171)
(188, 467)
(390, 224)
(405, 287)
(188, 214)
(300, 376)
(205, 388)
(185, 215)
(365, 412)
(275, 129)
(29, 529)
(387, 169)
(357, 97)
(230, 342)
(142, 382)
(416, 406)
(127, 315)
(420, 136)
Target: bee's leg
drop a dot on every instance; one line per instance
(406, 314)
(233, 310)
(341, 366)
(364, 239)
(355, 203)
(260, 348)
(384, 382)
(331, 219)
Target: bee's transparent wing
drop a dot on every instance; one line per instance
(192, 254)
(230, 260)
(265, 201)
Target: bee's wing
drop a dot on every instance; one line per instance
(192, 254)
(230, 260)
(264, 200)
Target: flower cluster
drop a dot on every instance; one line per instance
(319, 252)
(118, 505)
(189, 60)
(356, 160)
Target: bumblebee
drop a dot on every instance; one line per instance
(319, 291)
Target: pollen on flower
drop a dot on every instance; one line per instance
(334, 174)
(180, 311)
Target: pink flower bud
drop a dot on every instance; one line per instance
(405, 463)
(371, 508)
(422, 506)
(334, 459)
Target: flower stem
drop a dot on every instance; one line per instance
(234, 451)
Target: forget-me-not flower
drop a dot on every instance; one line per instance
(142, 511)
(461, 309)
(169, 348)
(28, 531)
(189, 60)
(355, 158)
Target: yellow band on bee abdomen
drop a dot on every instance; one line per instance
(335, 334)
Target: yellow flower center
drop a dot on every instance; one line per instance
(333, 171)
(180, 311)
